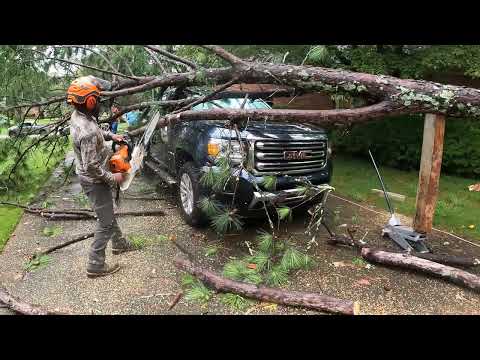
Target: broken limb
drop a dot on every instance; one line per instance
(278, 296)
(21, 307)
(406, 261)
(462, 261)
(70, 242)
(175, 300)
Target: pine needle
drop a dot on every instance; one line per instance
(262, 261)
(234, 270)
(292, 260)
(277, 277)
(226, 221)
(269, 182)
(198, 293)
(284, 213)
(235, 301)
(210, 207)
(265, 242)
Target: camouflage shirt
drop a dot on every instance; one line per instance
(91, 152)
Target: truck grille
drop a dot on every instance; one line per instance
(290, 157)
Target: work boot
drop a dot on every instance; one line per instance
(103, 271)
(126, 247)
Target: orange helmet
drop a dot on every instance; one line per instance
(83, 90)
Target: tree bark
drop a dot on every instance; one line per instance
(21, 307)
(70, 242)
(462, 261)
(91, 216)
(429, 174)
(410, 262)
(291, 298)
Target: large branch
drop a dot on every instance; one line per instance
(407, 96)
(104, 58)
(146, 104)
(324, 118)
(279, 296)
(406, 261)
(171, 56)
(85, 66)
(224, 54)
(40, 103)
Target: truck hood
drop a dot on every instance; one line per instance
(260, 129)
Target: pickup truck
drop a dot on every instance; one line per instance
(179, 154)
(28, 129)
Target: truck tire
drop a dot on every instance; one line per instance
(189, 193)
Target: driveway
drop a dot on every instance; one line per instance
(149, 281)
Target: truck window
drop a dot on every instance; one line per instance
(232, 103)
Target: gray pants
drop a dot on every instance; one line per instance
(100, 196)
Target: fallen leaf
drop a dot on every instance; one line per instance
(474, 187)
(339, 264)
(252, 266)
(363, 282)
(270, 307)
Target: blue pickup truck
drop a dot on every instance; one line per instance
(179, 154)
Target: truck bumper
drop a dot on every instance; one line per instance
(251, 197)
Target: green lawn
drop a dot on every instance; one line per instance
(457, 208)
(39, 173)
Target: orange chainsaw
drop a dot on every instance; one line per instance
(120, 160)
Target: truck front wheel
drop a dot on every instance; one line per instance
(189, 191)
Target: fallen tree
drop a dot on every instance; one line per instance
(278, 296)
(406, 261)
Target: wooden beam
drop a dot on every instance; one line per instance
(429, 176)
(391, 195)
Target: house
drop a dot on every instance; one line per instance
(282, 96)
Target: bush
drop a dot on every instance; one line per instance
(397, 142)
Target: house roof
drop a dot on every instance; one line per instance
(257, 90)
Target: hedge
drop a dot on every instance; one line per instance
(397, 142)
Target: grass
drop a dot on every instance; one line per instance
(52, 231)
(457, 208)
(39, 173)
(37, 263)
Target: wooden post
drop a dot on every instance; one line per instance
(429, 176)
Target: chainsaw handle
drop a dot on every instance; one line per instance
(129, 146)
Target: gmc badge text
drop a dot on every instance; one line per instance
(180, 153)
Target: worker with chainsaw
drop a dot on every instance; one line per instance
(92, 156)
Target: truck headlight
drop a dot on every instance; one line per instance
(230, 148)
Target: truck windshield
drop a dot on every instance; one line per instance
(232, 103)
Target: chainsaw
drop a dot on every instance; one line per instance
(120, 160)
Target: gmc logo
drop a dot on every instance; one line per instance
(295, 155)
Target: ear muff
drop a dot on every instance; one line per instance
(91, 103)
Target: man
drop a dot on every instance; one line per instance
(92, 157)
(115, 123)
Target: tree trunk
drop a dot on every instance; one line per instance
(292, 298)
(406, 261)
(439, 258)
